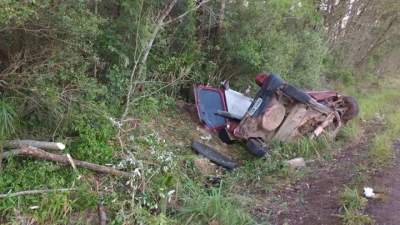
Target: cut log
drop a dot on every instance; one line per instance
(57, 146)
(288, 129)
(41, 154)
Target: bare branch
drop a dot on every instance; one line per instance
(186, 13)
(159, 25)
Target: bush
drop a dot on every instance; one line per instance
(275, 36)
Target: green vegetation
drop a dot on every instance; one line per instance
(7, 120)
(381, 121)
(353, 206)
(380, 115)
(104, 77)
(381, 151)
(202, 207)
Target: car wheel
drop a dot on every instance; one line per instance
(257, 147)
(213, 155)
(352, 108)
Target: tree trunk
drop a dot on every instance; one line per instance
(221, 18)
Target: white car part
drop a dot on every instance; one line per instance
(237, 102)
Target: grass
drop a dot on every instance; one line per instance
(381, 152)
(20, 175)
(379, 115)
(304, 147)
(382, 108)
(381, 119)
(352, 131)
(7, 120)
(205, 206)
(353, 206)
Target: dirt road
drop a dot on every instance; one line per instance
(386, 210)
(316, 199)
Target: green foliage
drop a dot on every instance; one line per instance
(350, 217)
(94, 135)
(20, 175)
(381, 152)
(258, 174)
(71, 63)
(276, 36)
(14, 11)
(8, 118)
(346, 77)
(352, 131)
(151, 106)
(350, 198)
(304, 147)
(202, 207)
(353, 206)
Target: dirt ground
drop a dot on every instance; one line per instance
(386, 210)
(315, 200)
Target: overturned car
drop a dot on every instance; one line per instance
(278, 111)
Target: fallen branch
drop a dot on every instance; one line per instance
(34, 192)
(38, 144)
(41, 154)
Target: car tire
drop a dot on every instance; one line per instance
(353, 108)
(257, 147)
(213, 155)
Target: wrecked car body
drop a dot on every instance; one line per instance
(279, 111)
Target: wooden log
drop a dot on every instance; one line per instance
(57, 146)
(34, 192)
(288, 129)
(43, 155)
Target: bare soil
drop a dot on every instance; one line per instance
(386, 210)
(315, 200)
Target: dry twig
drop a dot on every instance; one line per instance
(186, 13)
